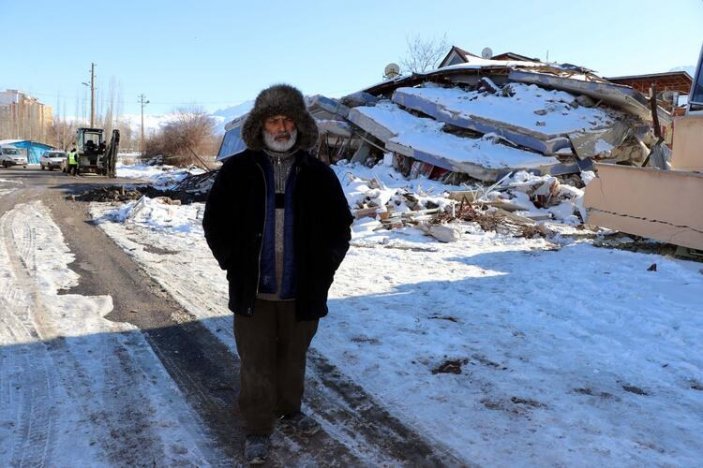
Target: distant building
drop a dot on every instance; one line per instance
(670, 86)
(23, 116)
(457, 55)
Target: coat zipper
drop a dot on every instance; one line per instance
(261, 242)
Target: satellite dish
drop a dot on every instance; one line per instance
(487, 53)
(391, 71)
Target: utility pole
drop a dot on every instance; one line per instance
(143, 101)
(92, 94)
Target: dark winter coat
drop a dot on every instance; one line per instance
(235, 217)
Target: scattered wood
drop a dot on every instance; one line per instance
(465, 195)
(365, 212)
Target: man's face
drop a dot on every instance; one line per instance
(279, 132)
(280, 127)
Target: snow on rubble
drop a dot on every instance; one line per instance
(507, 350)
(161, 177)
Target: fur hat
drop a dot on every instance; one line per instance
(281, 99)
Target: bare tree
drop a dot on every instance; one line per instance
(61, 133)
(186, 139)
(127, 135)
(424, 54)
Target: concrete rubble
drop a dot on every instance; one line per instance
(520, 141)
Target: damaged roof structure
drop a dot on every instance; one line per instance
(670, 87)
(480, 121)
(487, 119)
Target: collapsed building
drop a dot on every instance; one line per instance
(483, 126)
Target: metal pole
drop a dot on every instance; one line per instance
(143, 101)
(91, 85)
(92, 95)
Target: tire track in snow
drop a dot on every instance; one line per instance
(102, 385)
(357, 430)
(29, 394)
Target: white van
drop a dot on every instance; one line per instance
(52, 159)
(11, 156)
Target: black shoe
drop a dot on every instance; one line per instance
(300, 423)
(256, 449)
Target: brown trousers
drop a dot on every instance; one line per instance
(272, 347)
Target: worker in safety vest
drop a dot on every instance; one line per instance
(72, 162)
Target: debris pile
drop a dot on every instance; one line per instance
(198, 184)
(519, 204)
(189, 189)
(519, 140)
(540, 198)
(113, 193)
(489, 220)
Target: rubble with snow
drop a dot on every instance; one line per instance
(518, 136)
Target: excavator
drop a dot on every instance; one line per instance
(664, 202)
(95, 155)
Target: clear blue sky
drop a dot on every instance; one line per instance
(215, 53)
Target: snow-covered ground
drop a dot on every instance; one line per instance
(565, 353)
(508, 351)
(77, 389)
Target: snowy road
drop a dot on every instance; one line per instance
(99, 366)
(77, 389)
(493, 350)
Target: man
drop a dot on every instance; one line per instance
(90, 147)
(72, 162)
(277, 221)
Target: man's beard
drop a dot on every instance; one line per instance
(280, 146)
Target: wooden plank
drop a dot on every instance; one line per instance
(365, 212)
(465, 195)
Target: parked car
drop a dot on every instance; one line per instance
(53, 159)
(11, 156)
